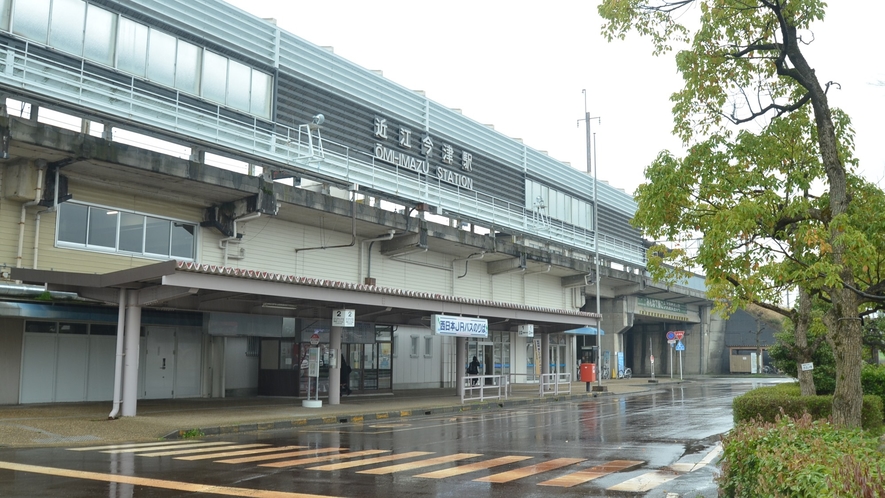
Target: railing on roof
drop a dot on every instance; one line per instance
(280, 146)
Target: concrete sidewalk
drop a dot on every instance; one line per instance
(71, 423)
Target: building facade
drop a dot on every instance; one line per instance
(193, 202)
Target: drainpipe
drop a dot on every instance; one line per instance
(49, 210)
(371, 242)
(118, 364)
(38, 195)
(223, 243)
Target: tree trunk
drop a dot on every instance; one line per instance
(845, 334)
(806, 377)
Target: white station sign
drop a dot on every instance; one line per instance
(343, 318)
(527, 330)
(459, 326)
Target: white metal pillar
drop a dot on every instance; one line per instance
(335, 371)
(131, 353)
(545, 353)
(460, 362)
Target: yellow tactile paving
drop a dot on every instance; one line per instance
(305, 461)
(226, 454)
(587, 475)
(472, 467)
(371, 461)
(531, 470)
(186, 451)
(420, 464)
(201, 489)
(276, 456)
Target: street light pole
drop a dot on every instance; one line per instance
(587, 119)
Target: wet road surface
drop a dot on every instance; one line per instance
(661, 443)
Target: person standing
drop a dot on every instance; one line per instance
(473, 369)
(345, 377)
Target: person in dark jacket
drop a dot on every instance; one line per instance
(473, 369)
(345, 377)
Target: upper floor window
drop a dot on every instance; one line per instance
(88, 31)
(113, 230)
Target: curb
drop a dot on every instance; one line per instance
(374, 416)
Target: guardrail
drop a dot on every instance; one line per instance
(477, 389)
(555, 383)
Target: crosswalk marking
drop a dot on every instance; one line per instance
(305, 461)
(226, 454)
(691, 467)
(370, 461)
(178, 451)
(515, 474)
(419, 464)
(134, 445)
(281, 455)
(155, 448)
(586, 475)
(646, 481)
(472, 467)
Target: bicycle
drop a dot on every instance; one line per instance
(626, 373)
(606, 373)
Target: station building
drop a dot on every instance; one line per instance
(192, 199)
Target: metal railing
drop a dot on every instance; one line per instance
(476, 387)
(555, 383)
(127, 99)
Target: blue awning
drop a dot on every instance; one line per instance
(584, 331)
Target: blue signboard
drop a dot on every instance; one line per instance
(459, 326)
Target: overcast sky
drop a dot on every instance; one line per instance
(521, 66)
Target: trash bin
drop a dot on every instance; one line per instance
(588, 372)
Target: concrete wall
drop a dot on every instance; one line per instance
(241, 371)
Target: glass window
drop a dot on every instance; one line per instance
(187, 68)
(102, 227)
(32, 19)
(413, 350)
(214, 77)
(260, 94)
(183, 240)
(73, 328)
(66, 28)
(428, 346)
(4, 14)
(132, 41)
(99, 41)
(132, 232)
(41, 327)
(161, 58)
(156, 236)
(102, 329)
(239, 80)
(72, 223)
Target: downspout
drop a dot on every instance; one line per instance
(371, 242)
(49, 210)
(223, 243)
(38, 195)
(118, 363)
(481, 255)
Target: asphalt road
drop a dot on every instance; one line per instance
(661, 443)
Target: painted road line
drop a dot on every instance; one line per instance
(185, 451)
(171, 447)
(203, 489)
(586, 475)
(691, 467)
(327, 458)
(226, 454)
(275, 456)
(646, 482)
(134, 445)
(472, 467)
(420, 464)
(531, 470)
(370, 461)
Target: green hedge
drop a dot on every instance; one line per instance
(800, 458)
(766, 403)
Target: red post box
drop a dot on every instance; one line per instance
(588, 372)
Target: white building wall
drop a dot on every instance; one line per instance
(418, 370)
(240, 370)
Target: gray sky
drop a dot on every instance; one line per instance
(521, 66)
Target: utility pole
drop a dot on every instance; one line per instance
(587, 119)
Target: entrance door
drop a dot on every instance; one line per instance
(159, 363)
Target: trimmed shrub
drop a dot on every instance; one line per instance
(769, 403)
(799, 458)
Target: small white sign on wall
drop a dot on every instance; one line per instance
(343, 318)
(807, 366)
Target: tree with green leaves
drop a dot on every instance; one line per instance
(766, 179)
